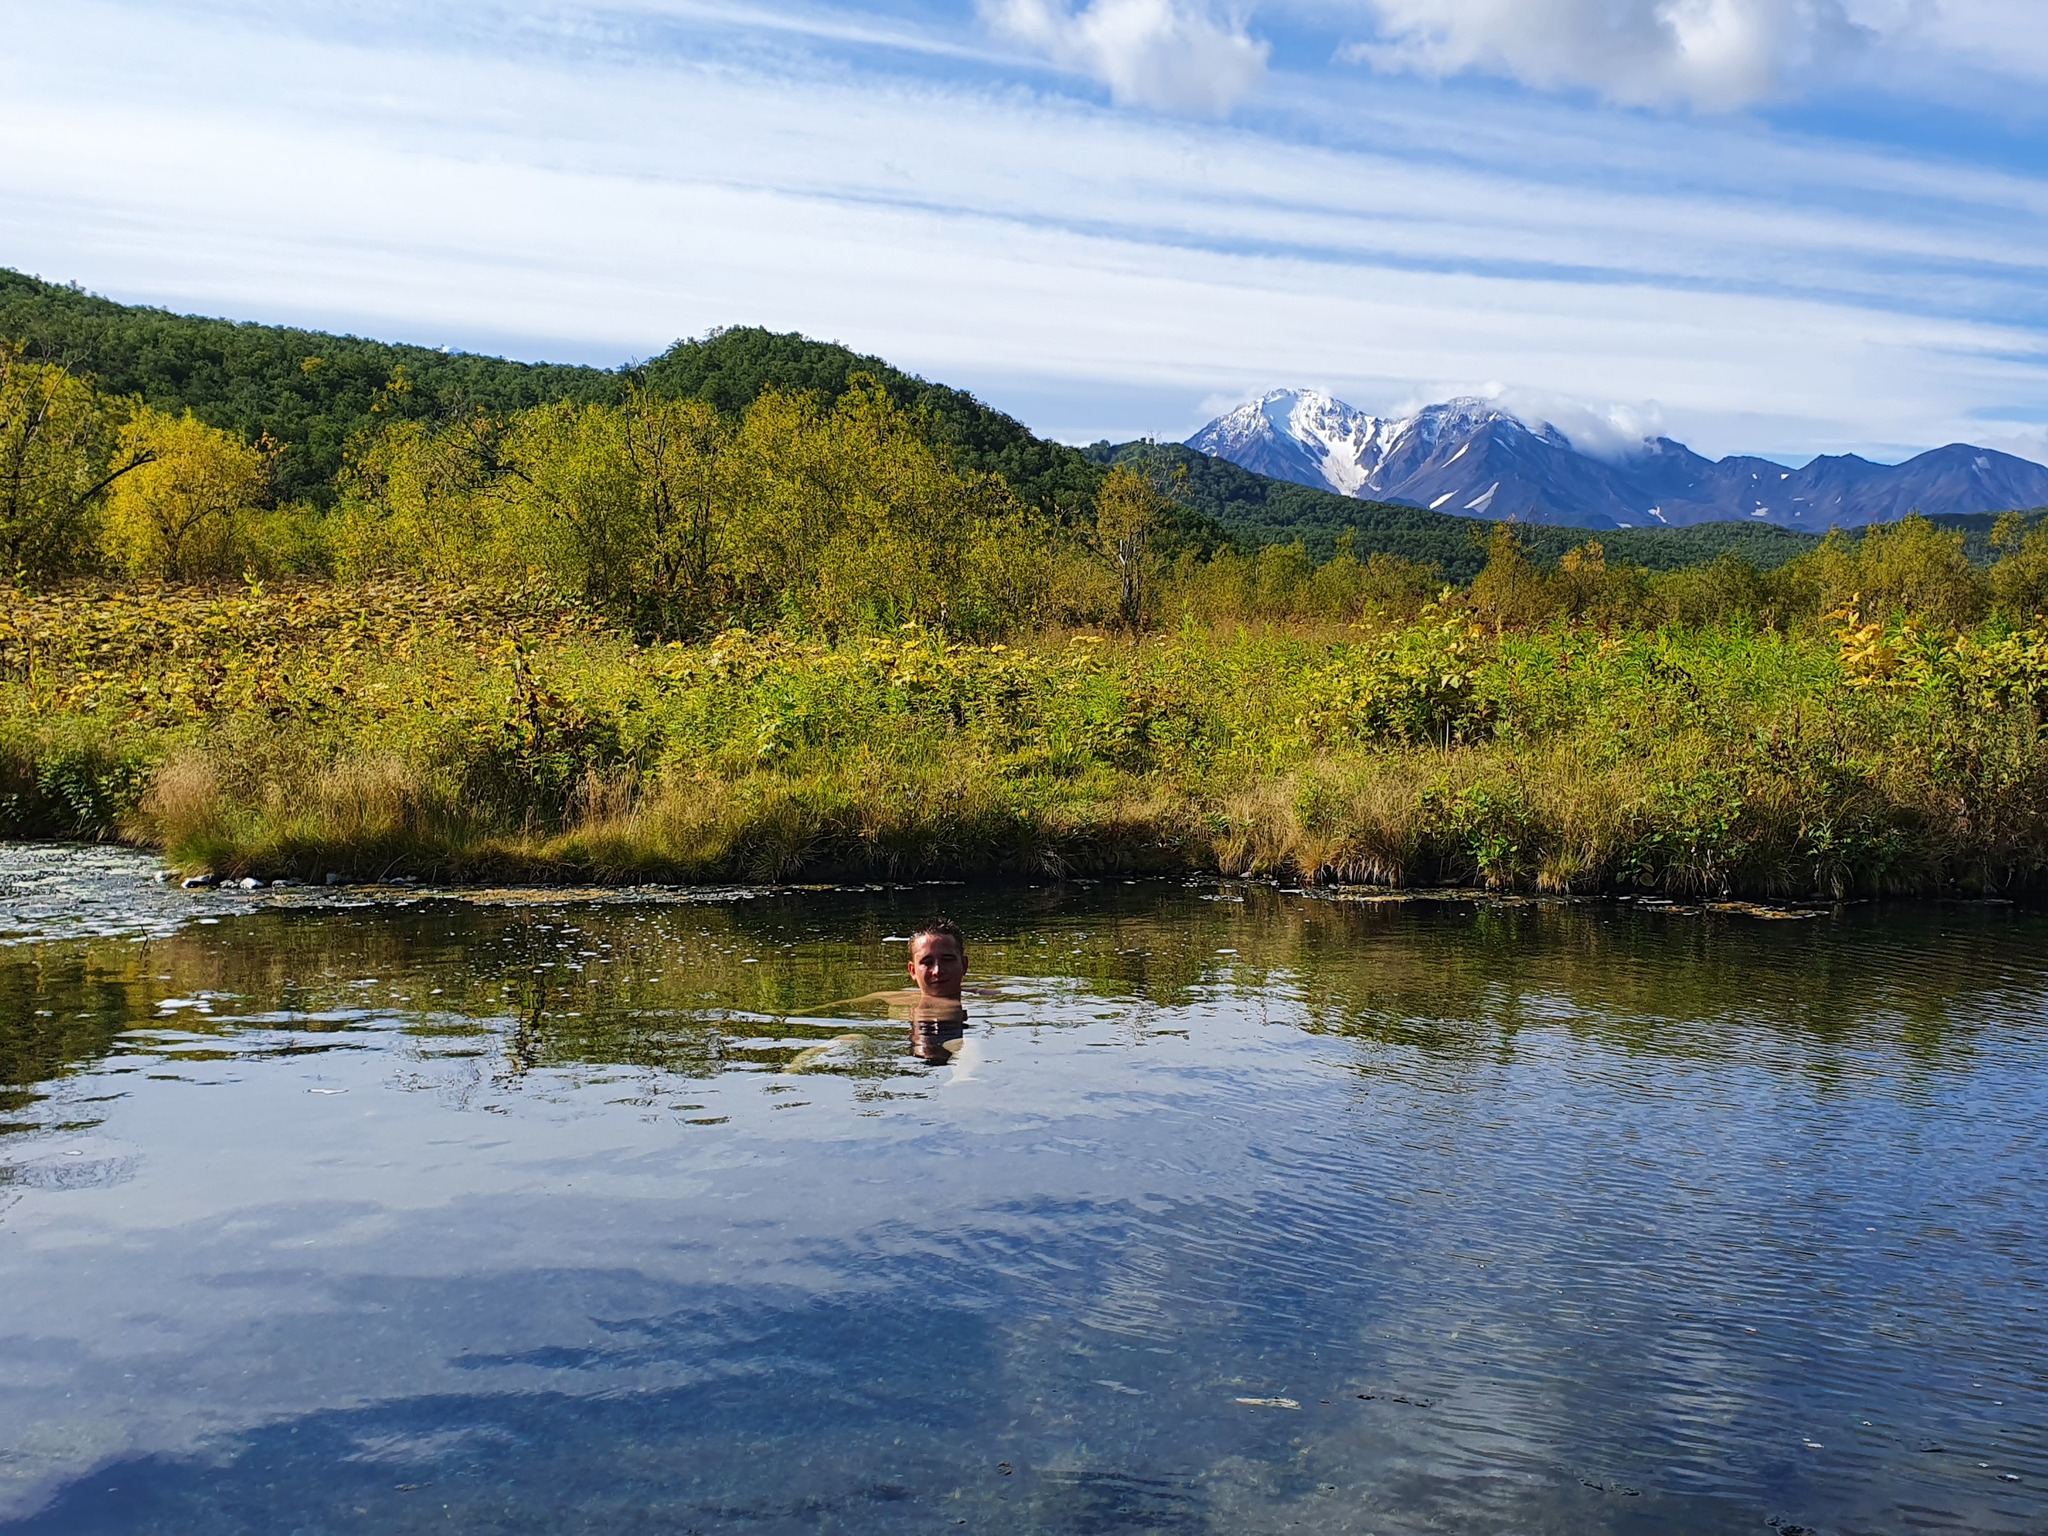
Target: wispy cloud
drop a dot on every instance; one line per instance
(1101, 272)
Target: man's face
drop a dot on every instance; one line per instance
(937, 965)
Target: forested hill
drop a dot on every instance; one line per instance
(313, 391)
(308, 390)
(730, 368)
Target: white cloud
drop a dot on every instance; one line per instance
(1604, 430)
(1174, 54)
(2006, 35)
(2026, 445)
(1097, 272)
(1715, 55)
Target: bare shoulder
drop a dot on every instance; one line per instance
(895, 998)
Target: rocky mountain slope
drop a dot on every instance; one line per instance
(1471, 458)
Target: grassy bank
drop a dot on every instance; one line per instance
(455, 733)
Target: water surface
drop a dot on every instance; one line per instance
(1237, 1210)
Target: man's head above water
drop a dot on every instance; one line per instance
(938, 958)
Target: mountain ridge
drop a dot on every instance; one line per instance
(1472, 458)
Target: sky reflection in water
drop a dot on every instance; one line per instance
(1237, 1211)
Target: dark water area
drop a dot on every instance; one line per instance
(1235, 1210)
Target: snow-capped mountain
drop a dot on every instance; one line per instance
(1301, 435)
(1471, 457)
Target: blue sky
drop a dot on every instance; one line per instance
(1775, 226)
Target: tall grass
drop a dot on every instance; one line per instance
(443, 733)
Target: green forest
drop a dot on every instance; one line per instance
(309, 397)
(285, 604)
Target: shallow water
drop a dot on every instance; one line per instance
(1238, 1210)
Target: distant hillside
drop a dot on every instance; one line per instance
(313, 391)
(1257, 509)
(731, 367)
(309, 390)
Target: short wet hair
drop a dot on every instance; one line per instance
(941, 928)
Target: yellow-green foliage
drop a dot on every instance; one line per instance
(1909, 568)
(184, 511)
(57, 457)
(414, 500)
(815, 518)
(479, 732)
(1279, 584)
(638, 639)
(1732, 590)
(2019, 581)
(825, 520)
(1128, 511)
(624, 499)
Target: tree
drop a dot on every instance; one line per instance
(676, 450)
(2008, 533)
(625, 503)
(58, 457)
(1511, 589)
(1129, 510)
(819, 518)
(2019, 581)
(175, 514)
(854, 517)
(417, 496)
(1909, 568)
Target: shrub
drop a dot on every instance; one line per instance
(1910, 569)
(58, 457)
(182, 512)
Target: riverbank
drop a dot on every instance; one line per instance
(453, 734)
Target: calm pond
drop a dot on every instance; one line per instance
(1235, 1210)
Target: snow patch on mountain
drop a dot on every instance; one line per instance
(1478, 458)
(1301, 427)
(1316, 439)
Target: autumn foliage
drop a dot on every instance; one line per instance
(644, 637)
